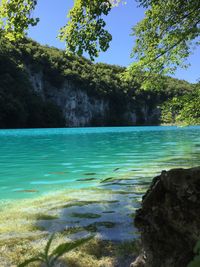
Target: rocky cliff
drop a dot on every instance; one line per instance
(41, 86)
(78, 108)
(169, 219)
(81, 108)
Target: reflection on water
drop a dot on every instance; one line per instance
(119, 163)
(44, 160)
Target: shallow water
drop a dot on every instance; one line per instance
(112, 164)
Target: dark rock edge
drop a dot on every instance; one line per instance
(169, 219)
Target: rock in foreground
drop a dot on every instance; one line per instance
(169, 220)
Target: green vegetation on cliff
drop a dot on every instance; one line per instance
(22, 107)
(165, 37)
(184, 109)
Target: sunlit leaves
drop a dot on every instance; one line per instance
(85, 30)
(183, 109)
(165, 36)
(15, 17)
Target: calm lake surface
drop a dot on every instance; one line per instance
(99, 162)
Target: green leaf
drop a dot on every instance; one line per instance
(25, 263)
(68, 246)
(195, 262)
(197, 247)
(48, 246)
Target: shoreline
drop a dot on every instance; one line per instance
(30, 226)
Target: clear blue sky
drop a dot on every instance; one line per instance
(52, 16)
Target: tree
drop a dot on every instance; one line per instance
(164, 38)
(15, 17)
(183, 109)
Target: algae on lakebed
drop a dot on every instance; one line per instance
(26, 225)
(94, 253)
(86, 215)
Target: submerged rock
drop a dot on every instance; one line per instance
(139, 262)
(28, 191)
(169, 220)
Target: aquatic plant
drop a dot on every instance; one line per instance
(196, 261)
(50, 259)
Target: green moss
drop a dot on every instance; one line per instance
(83, 203)
(93, 227)
(99, 248)
(122, 192)
(46, 217)
(75, 204)
(33, 237)
(86, 215)
(132, 215)
(38, 228)
(72, 230)
(128, 248)
(106, 224)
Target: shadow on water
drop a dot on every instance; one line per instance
(105, 214)
(109, 218)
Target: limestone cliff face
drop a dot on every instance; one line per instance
(78, 107)
(83, 109)
(169, 219)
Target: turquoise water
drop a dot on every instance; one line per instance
(104, 172)
(35, 162)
